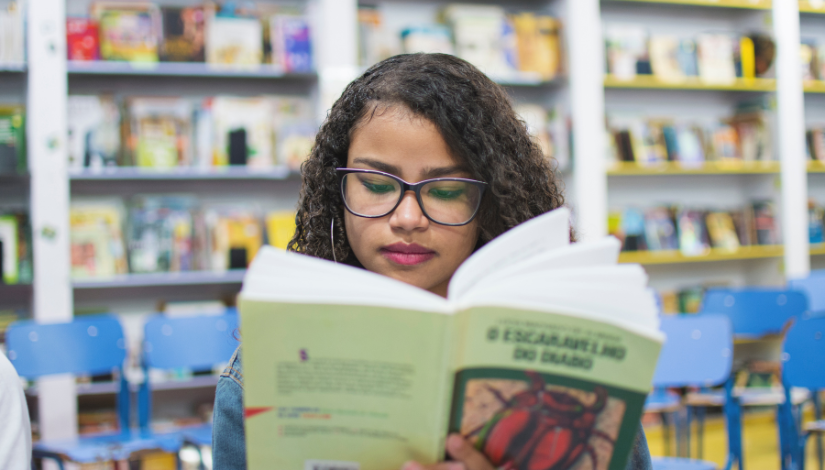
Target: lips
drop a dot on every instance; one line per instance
(407, 255)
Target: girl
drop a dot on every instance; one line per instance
(416, 130)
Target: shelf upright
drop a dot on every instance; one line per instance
(46, 133)
(586, 58)
(337, 46)
(791, 138)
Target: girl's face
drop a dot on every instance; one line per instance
(404, 244)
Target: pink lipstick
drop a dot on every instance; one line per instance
(407, 255)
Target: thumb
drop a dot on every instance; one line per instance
(464, 452)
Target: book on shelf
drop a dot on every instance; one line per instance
(234, 237)
(327, 376)
(816, 219)
(96, 239)
(13, 157)
(693, 231)
(160, 234)
(15, 247)
(549, 129)
(291, 42)
(713, 58)
(12, 29)
(82, 39)
(815, 139)
(184, 34)
(506, 46)
(234, 41)
(94, 139)
(159, 132)
(280, 227)
(128, 31)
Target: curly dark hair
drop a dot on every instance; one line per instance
(474, 116)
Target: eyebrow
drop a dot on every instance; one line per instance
(427, 174)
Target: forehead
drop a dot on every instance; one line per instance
(397, 138)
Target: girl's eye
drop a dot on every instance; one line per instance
(378, 188)
(447, 194)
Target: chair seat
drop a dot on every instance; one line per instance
(199, 435)
(815, 426)
(106, 447)
(676, 463)
(749, 396)
(661, 402)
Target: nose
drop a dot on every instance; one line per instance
(408, 216)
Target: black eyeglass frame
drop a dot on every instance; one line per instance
(405, 186)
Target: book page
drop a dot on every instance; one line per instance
(534, 389)
(358, 387)
(538, 235)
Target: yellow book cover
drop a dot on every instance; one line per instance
(280, 227)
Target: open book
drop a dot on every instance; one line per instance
(542, 355)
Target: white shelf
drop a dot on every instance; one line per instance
(182, 173)
(189, 278)
(107, 388)
(13, 68)
(178, 69)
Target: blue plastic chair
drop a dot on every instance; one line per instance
(803, 365)
(755, 312)
(92, 345)
(813, 287)
(697, 352)
(194, 343)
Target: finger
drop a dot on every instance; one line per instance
(436, 466)
(464, 452)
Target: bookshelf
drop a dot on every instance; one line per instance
(744, 4)
(811, 6)
(650, 82)
(185, 278)
(706, 168)
(228, 173)
(714, 254)
(817, 86)
(12, 68)
(179, 69)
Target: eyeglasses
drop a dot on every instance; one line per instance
(446, 201)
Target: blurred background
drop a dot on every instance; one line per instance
(149, 149)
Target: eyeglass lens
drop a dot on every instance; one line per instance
(374, 195)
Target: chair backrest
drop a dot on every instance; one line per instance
(803, 354)
(197, 342)
(813, 287)
(698, 351)
(755, 311)
(87, 345)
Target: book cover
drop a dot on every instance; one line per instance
(82, 39)
(160, 131)
(9, 266)
(660, 229)
(765, 223)
(291, 40)
(715, 57)
(96, 239)
(12, 30)
(280, 227)
(722, 231)
(686, 55)
(429, 38)
(820, 62)
(690, 145)
(234, 237)
(633, 226)
(337, 359)
(159, 234)
(626, 46)
(255, 147)
(12, 139)
(477, 32)
(815, 221)
(129, 31)
(692, 232)
(184, 34)
(764, 49)
(94, 139)
(233, 41)
(807, 59)
(664, 58)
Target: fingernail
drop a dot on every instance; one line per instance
(411, 466)
(456, 466)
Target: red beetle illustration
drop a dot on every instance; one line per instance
(540, 429)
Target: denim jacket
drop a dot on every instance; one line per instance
(229, 445)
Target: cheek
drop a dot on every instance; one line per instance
(358, 232)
